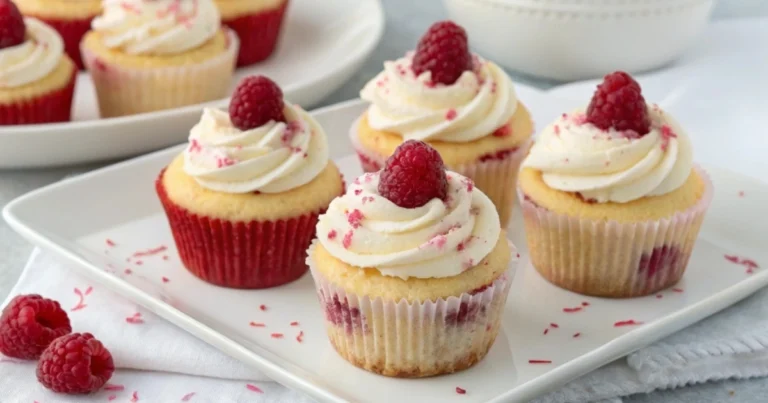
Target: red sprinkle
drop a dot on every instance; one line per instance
(256, 324)
(585, 303)
(187, 397)
(572, 310)
(300, 337)
(659, 296)
(276, 335)
(677, 289)
(332, 234)
(347, 241)
(263, 307)
(554, 325)
(135, 397)
(750, 263)
(355, 218)
(165, 279)
(451, 114)
(557, 130)
(139, 263)
(577, 334)
(630, 322)
(150, 252)
(741, 193)
(461, 391)
(546, 331)
(294, 323)
(128, 271)
(253, 388)
(732, 258)
(111, 398)
(502, 131)
(539, 361)
(112, 387)
(111, 243)
(165, 257)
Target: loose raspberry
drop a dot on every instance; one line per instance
(12, 29)
(618, 103)
(29, 324)
(75, 364)
(413, 175)
(256, 101)
(444, 51)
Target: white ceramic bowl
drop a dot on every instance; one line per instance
(578, 39)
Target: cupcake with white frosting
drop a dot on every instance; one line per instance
(463, 106)
(611, 197)
(37, 79)
(412, 268)
(243, 198)
(149, 55)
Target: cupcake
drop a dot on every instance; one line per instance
(257, 24)
(412, 268)
(72, 19)
(244, 197)
(611, 197)
(461, 105)
(37, 80)
(149, 55)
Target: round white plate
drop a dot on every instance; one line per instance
(323, 44)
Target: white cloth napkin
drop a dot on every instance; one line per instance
(160, 363)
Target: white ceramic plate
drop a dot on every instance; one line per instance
(322, 46)
(119, 203)
(716, 92)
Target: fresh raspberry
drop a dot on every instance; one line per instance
(444, 51)
(75, 364)
(29, 324)
(618, 103)
(256, 101)
(12, 29)
(413, 175)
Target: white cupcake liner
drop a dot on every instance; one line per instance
(609, 258)
(497, 178)
(128, 90)
(411, 339)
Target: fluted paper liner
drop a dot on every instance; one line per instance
(496, 177)
(51, 107)
(609, 258)
(409, 340)
(252, 254)
(126, 91)
(258, 33)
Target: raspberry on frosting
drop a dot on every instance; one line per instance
(618, 103)
(256, 101)
(29, 324)
(413, 175)
(12, 28)
(444, 51)
(75, 364)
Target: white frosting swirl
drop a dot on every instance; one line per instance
(439, 239)
(273, 158)
(477, 104)
(32, 59)
(613, 166)
(157, 27)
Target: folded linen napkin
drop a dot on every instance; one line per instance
(161, 363)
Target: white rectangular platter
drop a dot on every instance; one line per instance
(75, 219)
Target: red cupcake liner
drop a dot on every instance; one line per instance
(72, 32)
(51, 107)
(258, 34)
(254, 254)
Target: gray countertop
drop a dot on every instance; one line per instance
(406, 20)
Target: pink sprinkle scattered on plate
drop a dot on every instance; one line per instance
(461, 391)
(253, 388)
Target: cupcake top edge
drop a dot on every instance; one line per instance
(618, 150)
(441, 91)
(36, 56)
(157, 27)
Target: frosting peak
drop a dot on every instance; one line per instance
(151, 27)
(415, 107)
(610, 165)
(273, 158)
(32, 59)
(439, 239)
